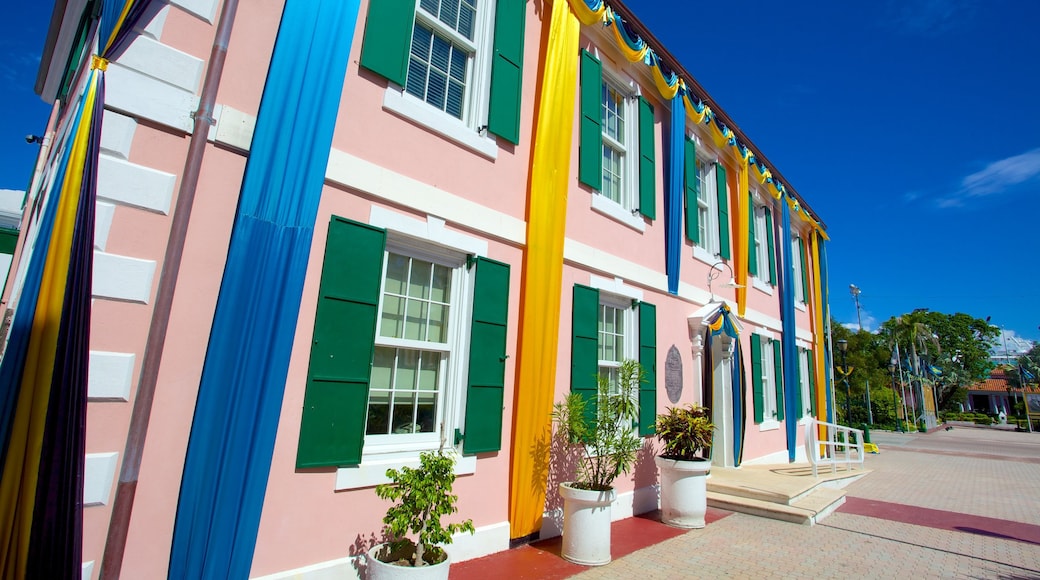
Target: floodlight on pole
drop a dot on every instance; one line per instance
(855, 296)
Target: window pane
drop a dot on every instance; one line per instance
(404, 413)
(438, 324)
(440, 290)
(429, 371)
(426, 411)
(378, 413)
(419, 281)
(392, 319)
(415, 321)
(467, 16)
(396, 274)
(611, 174)
(430, 6)
(382, 369)
(407, 365)
(450, 13)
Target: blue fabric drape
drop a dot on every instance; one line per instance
(673, 223)
(790, 350)
(21, 325)
(55, 546)
(243, 380)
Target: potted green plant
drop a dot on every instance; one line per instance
(602, 434)
(685, 432)
(421, 497)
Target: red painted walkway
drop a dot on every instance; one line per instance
(943, 520)
(542, 560)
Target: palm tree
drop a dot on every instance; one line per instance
(911, 333)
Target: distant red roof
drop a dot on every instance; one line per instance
(998, 381)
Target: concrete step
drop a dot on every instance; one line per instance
(808, 510)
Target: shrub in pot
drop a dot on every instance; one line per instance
(422, 496)
(685, 432)
(602, 433)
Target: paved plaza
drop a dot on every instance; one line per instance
(951, 504)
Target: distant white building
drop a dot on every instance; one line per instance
(11, 201)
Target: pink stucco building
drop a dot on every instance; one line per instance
(412, 311)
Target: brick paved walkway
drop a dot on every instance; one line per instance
(922, 513)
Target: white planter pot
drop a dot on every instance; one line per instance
(586, 525)
(684, 494)
(379, 570)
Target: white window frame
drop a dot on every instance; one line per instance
(454, 350)
(796, 267)
(470, 131)
(761, 280)
(707, 249)
(625, 210)
(769, 378)
(803, 383)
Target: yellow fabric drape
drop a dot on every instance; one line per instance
(543, 273)
(819, 332)
(627, 51)
(588, 16)
(691, 110)
(22, 464)
(741, 240)
(667, 91)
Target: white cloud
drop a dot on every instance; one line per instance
(929, 18)
(997, 177)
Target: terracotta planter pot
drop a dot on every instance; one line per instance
(380, 570)
(684, 494)
(586, 525)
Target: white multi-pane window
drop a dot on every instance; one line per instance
(796, 265)
(769, 379)
(707, 208)
(617, 337)
(761, 243)
(443, 48)
(614, 113)
(416, 340)
(803, 382)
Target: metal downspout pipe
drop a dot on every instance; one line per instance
(126, 489)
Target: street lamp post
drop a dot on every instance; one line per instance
(843, 348)
(855, 291)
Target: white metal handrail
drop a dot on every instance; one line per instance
(842, 445)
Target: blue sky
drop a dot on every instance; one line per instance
(910, 126)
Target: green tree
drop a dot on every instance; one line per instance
(867, 356)
(964, 354)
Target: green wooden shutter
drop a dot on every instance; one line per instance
(812, 383)
(590, 149)
(799, 405)
(648, 360)
(752, 254)
(693, 230)
(335, 404)
(647, 161)
(8, 240)
(723, 198)
(388, 38)
(772, 246)
(757, 376)
(507, 68)
(487, 358)
(778, 366)
(585, 347)
(805, 270)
